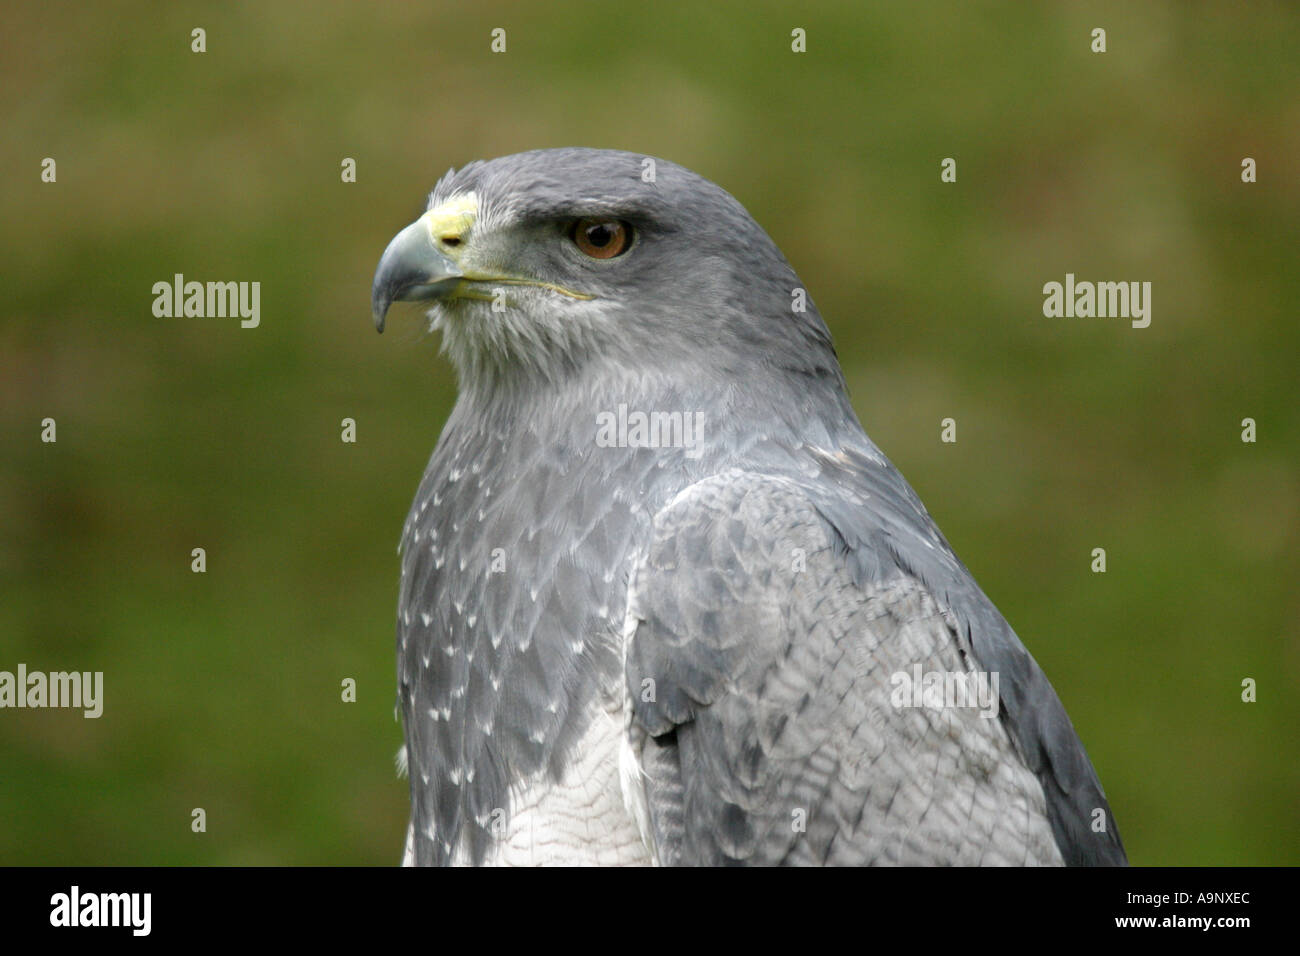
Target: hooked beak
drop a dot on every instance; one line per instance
(422, 261)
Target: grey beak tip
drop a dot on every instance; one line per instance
(410, 270)
(379, 304)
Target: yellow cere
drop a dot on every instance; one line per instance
(453, 217)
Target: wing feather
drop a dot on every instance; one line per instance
(761, 667)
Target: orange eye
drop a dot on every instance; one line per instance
(602, 238)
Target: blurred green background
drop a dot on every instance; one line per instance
(223, 689)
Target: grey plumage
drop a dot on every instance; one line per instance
(764, 584)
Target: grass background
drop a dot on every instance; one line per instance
(222, 689)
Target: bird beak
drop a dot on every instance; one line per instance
(421, 262)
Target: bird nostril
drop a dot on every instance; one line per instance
(450, 240)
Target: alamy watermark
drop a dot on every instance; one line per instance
(940, 689)
(1103, 300)
(636, 429)
(209, 300)
(76, 908)
(74, 689)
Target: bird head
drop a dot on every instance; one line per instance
(546, 261)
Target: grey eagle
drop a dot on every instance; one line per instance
(662, 600)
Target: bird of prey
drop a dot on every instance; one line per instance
(662, 600)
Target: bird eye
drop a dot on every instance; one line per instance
(602, 238)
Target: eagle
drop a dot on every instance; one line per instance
(662, 600)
